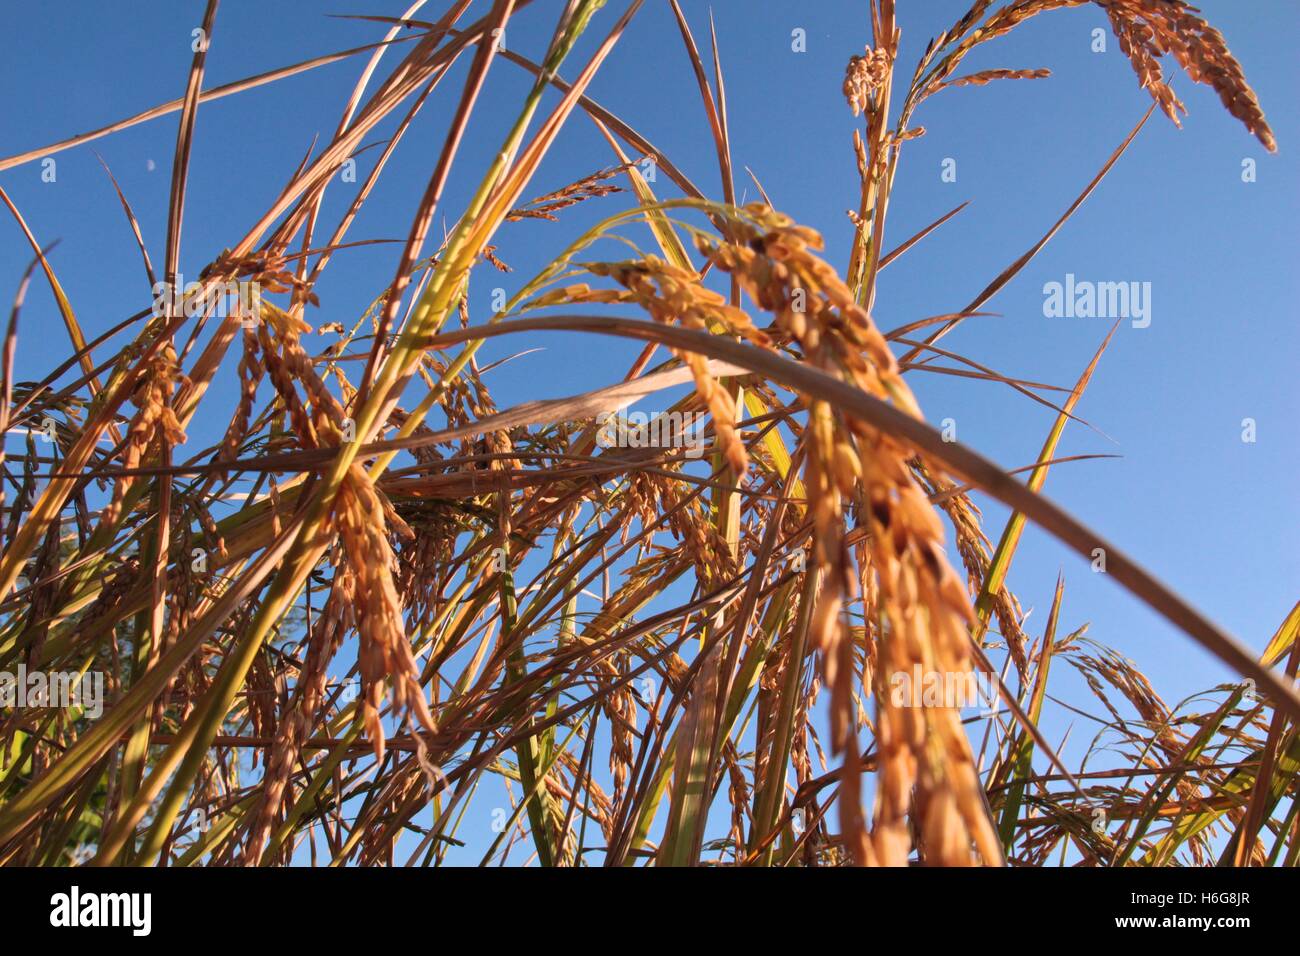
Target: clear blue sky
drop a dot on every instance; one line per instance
(1213, 516)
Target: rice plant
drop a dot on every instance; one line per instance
(375, 618)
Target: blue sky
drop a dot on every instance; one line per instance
(1212, 515)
